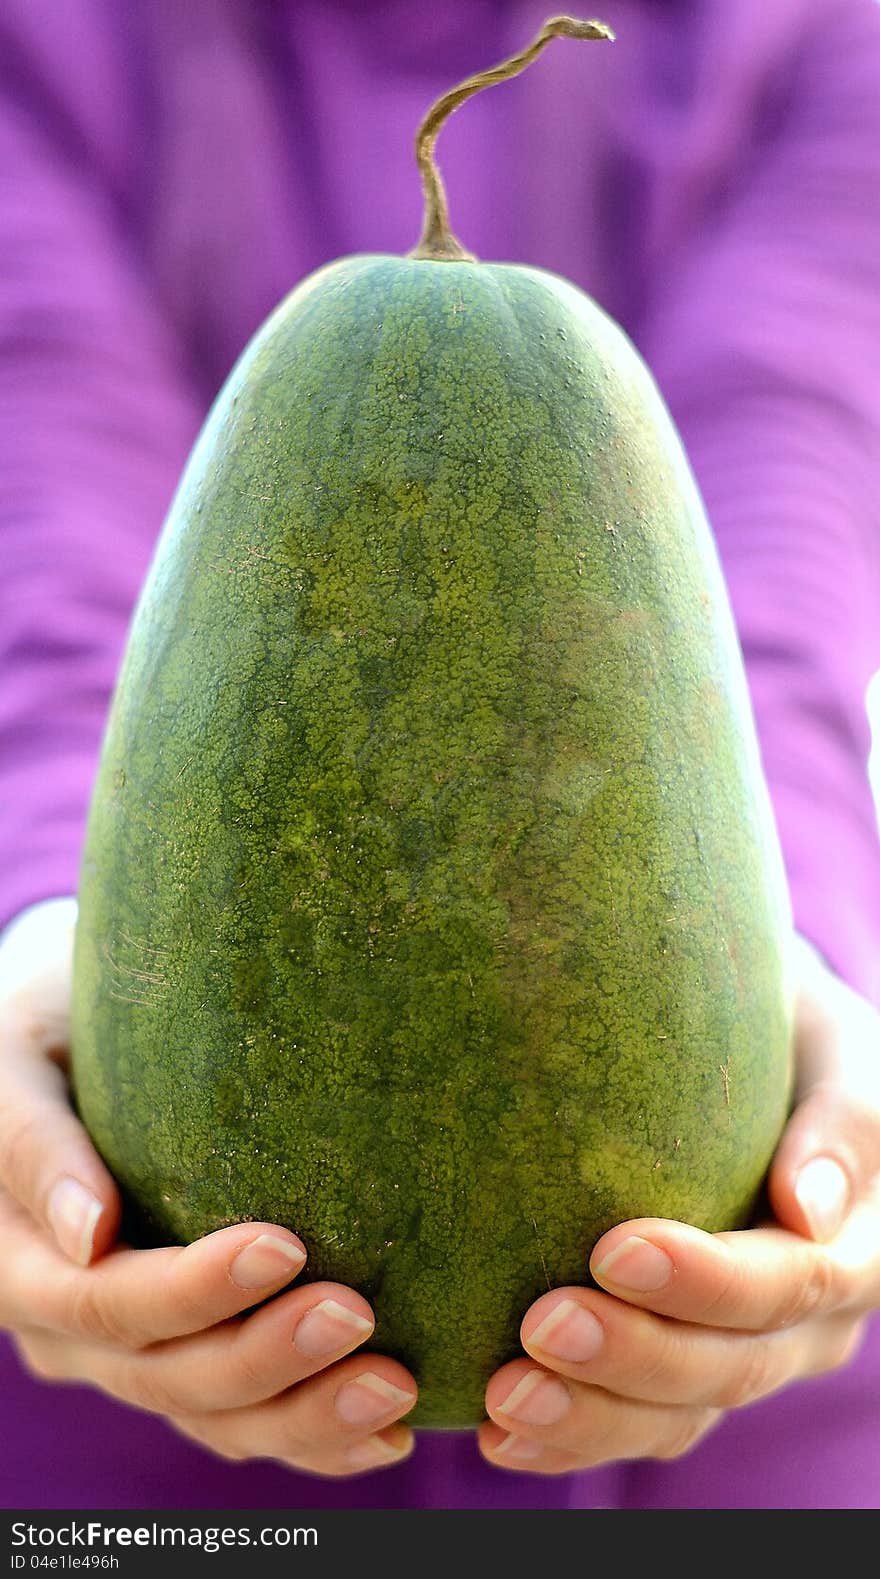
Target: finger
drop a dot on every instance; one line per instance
(588, 1337)
(47, 1161)
(238, 1364)
(827, 1159)
(586, 1424)
(341, 1462)
(319, 1421)
(521, 1454)
(137, 1297)
(829, 1154)
(757, 1279)
(354, 1398)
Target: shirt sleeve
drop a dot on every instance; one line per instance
(765, 337)
(96, 417)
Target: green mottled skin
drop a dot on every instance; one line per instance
(431, 903)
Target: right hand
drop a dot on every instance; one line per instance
(166, 1330)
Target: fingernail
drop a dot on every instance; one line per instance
(520, 1447)
(375, 1453)
(329, 1328)
(73, 1213)
(637, 1265)
(568, 1333)
(369, 1399)
(822, 1190)
(537, 1400)
(266, 1261)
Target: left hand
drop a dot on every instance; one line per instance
(694, 1324)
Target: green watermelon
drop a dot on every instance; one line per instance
(431, 901)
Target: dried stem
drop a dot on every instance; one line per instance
(437, 240)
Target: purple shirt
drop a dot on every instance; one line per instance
(167, 172)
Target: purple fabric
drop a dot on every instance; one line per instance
(167, 172)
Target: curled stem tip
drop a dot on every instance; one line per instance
(437, 240)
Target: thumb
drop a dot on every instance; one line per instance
(47, 1162)
(829, 1153)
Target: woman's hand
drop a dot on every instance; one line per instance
(695, 1324)
(166, 1330)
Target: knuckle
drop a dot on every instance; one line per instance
(659, 1366)
(597, 1441)
(188, 1304)
(850, 1292)
(290, 1444)
(334, 1470)
(757, 1374)
(841, 1346)
(732, 1290)
(227, 1450)
(92, 1315)
(813, 1292)
(252, 1371)
(21, 1134)
(209, 1437)
(39, 1360)
(148, 1391)
(685, 1434)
